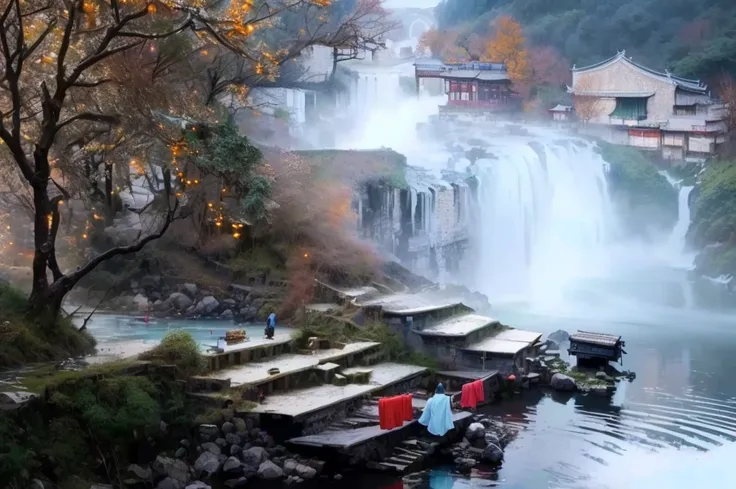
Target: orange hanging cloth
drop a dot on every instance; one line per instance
(468, 397)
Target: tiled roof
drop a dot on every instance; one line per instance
(596, 338)
(683, 83)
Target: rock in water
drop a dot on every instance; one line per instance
(180, 301)
(270, 471)
(493, 454)
(562, 382)
(290, 466)
(475, 430)
(207, 305)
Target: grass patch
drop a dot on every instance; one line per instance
(25, 340)
(177, 348)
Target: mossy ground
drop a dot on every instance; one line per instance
(25, 340)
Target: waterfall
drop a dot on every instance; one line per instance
(546, 217)
(676, 242)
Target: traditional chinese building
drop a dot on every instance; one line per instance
(473, 89)
(627, 103)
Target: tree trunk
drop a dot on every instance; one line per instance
(42, 247)
(109, 208)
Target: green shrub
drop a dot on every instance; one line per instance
(178, 348)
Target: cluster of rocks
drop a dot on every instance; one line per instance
(230, 455)
(240, 303)
(484, 443)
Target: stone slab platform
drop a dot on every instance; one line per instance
(255, 373)
(305, 401)
(253, 343)
(347, 439)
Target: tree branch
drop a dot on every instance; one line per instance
(89, 116)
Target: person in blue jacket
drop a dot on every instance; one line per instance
(270, 325)
(437, 415)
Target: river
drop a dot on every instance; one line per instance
(550, 255)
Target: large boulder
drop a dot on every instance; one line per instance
(475, 431)
(141, 302)
(255, 456)
(493, 454)
(290, 466)
(563, 383)
(174, 469)
(206, 464)
(141, 473)
(207, 305)
(213, 448)
(180, 301)
(270, 471)
(232, 466)
(190, 290)
(559, 336)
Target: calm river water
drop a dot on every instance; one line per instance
(674, 426)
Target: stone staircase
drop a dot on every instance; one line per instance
(409, 456)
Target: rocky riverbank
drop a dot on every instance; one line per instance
(231, 454)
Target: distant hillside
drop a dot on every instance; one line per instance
(694, 38)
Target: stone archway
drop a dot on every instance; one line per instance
(418, 27)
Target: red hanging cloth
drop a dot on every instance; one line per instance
(393, 411)
(479, 394)
(408, 409)
(468, 397)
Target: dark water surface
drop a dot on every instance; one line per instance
(678, 416)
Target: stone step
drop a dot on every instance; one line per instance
(417, 453)
(394, 467)
(401, 459)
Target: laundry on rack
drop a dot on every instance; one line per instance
(393, 411)
(472, 394)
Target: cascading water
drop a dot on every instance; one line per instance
(547, 215)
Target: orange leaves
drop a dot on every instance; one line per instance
(508, 46)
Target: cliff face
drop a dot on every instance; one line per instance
(418, 217)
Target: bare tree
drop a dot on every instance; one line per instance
(68, 67)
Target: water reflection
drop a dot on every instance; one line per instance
(683, 401)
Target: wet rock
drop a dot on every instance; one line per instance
(180, 301)
(337, 477)
(209, 430)
(212, 448)
(463, 465)
(198, 485)
(418, 480)
(255, 456)
(475, 431)
(493, 454)
(207, 305)
(270, 471)
(491, 438)
(185, 443)
(290, 466)
(36, 484)
(141, 302)
(221, 442)
(181, 453)
(232, 466)
(237, 483)
(306, 472)
(206, 464)
(169, 483)
(239, 424)
(229, 303)
(140, 473)
(317, 465)
(227, 427)
(190, 290)
(563, 383)
(235, 450)
(227, 314)
(178, 470)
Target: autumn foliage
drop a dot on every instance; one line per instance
(314, 229)
(508, 46)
